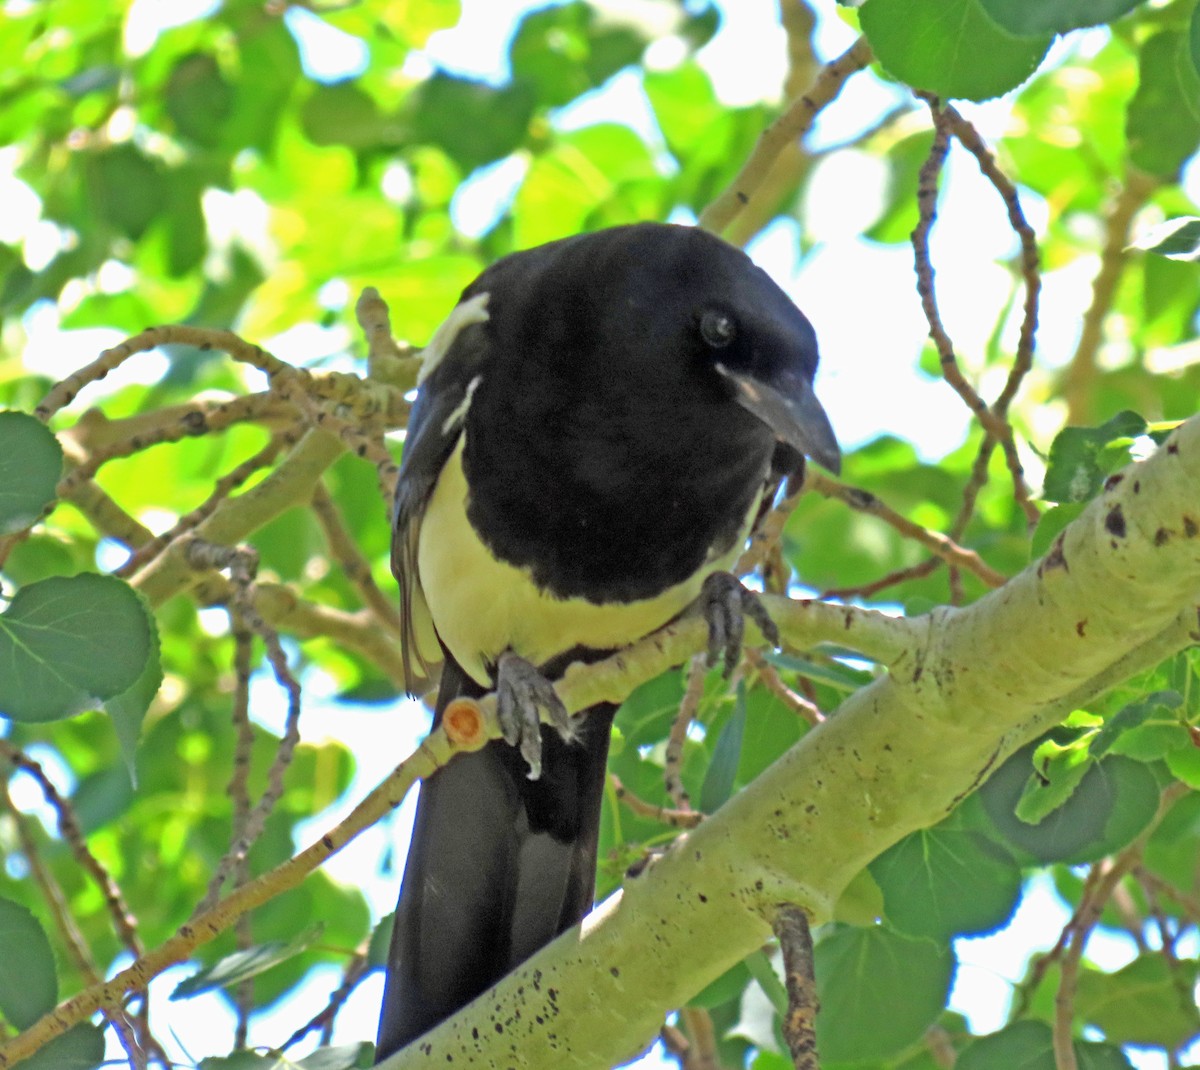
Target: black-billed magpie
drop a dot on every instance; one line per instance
(599, 424)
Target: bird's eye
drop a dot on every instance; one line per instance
(717, 328)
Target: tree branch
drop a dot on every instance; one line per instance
(792, 125)
(1119, 585)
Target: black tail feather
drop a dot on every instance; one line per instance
(499, 865)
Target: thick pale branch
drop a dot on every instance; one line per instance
(1120, 583)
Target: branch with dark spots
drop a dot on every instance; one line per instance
(1114, 523)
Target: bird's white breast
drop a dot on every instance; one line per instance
(482, 607)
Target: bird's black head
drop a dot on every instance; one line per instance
(665, 294)
(748, 332)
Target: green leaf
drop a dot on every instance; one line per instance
(563, 51)
(861, 901)
(30, 467)
(726, 988)
(1027, 18)
(69, 644)
(471, 122)
(1193, 46)
(244, 1060)
(941, 883)
(834, 673)
(727, 755)
(1029, 1045)
(949, 47)
(1081, 458)
(1145, 1003)
(879, 992)
(246, 963)
(1176, 239)
(28, 981)
(128, 709)
(1052, 521)
(269, 69)
(899, 212)
(198, 98)
(343, 114)
(584, 170)
(761, 969)
(80, 1048)
(128, 188)
(1057, 772)
(1158, 147)
(645, 717)
(1171, 849)
(381, 941)
(342, 1057)
(1184, 763)
(1114, 801)
(1131, 716)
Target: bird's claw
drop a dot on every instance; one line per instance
(522, 692)
(726, 603)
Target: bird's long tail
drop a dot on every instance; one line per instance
(499, 865)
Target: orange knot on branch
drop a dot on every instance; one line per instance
(463, 719)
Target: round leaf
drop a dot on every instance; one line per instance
(30, 466)
(942, 883)
(69, 643)
(1113, 802)
(81, 1048)
(879, 992)
(1157, 147)
(1142, 1003)
(949, 47)
(28, 982)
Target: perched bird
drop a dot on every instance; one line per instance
(598, 425)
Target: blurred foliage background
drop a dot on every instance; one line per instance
(198, 166)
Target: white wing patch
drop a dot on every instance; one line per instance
(460, 410)
(465, 313)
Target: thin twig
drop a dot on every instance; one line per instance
(902, 575)
(69, 829)
(773, 682)
(242, 563)
(947, 549)
(681, 819)
(432, 754)
(673, 760)
(1078, 382)
(800, 1023)
(702, 1040)
(350, 559)
(792, 125)
(222, 489)
(56, 900)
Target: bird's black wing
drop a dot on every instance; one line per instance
(453, 366)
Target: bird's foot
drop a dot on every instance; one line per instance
(726, 603)
(522, 692)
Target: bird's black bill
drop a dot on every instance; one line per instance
(793, 413)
